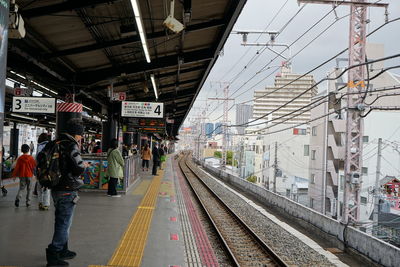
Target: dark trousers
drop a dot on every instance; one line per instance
(112, 186)
(145, 162)
(155, 165)
(64, 205)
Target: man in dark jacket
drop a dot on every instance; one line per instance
(65, 195)
(156, 158)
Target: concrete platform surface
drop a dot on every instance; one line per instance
(104, 229)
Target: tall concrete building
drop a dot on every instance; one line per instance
(218, 128)
(272, 97)
(209, 129)
(243, 114)
(327, 143)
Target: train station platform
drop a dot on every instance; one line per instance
(141, 228)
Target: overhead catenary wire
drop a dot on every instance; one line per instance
(248, 50)
(316, 84)
(317, 102)
(317, 67)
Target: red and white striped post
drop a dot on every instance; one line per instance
(65, 112)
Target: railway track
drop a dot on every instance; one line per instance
(242, 245)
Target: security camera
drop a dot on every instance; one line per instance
(173, 24)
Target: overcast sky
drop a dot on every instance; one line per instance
(257, 14)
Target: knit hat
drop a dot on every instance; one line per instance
(75, 127)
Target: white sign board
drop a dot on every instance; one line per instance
(142, 109)
(34, 104)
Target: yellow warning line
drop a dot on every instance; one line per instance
(142, 188)
(130, 250)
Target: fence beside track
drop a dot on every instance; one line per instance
(350, 237)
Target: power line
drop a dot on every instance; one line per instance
(309, 89)
(315, 68)
(248, 50)
(396, 169)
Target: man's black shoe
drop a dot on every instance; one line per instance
(53, 259)
(67, 255)
(16, 203)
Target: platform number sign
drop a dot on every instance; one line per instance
(34, 104)
(142, 109)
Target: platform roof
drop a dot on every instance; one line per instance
(84, 46)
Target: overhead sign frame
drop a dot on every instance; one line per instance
(142, 109)
(26, 104)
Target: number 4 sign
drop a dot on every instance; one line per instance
(142, 109)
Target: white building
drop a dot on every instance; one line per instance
(282, 157)
(243, 114)
(290, 150)
(273, 97)
(327, 144)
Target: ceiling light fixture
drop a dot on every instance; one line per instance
(153, 82)
(23, 117)
(141, 30)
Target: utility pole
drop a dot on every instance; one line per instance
(355, 105)
(377, 187)
(224, 123)
(275, 166)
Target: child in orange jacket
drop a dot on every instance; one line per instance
(24, 169)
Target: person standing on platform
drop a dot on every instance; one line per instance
(146, 156)
(125, 151)
(65, 195)
(163, 157)
(134, 149)
(166, 149)
(43, 192)
(24, 169)
(156, 158)
(115, 169)
(97, 148)
(32, 147)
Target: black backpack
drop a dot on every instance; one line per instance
(49, 163)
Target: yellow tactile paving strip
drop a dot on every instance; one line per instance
(142, 188)
(131, 247)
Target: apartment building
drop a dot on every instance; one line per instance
(327, 142)
(287, 86)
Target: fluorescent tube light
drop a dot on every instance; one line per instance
(23, 117)
(53, 123)
(141, 30)
(153, 82)
(87, 108)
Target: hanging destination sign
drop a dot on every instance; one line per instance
(142, 109)
(34, 104)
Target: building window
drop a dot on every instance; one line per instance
(365, 139)
(313, 178)
(306, 150)
(341, 182)
(297, 131)
(328, 205)
(313, 154)
(364, 170)
(314, 130)
(363, 200)
(311, 203)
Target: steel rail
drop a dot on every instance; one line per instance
(277, 261)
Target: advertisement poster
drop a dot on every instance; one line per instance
(91, 176)
(4, 8)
